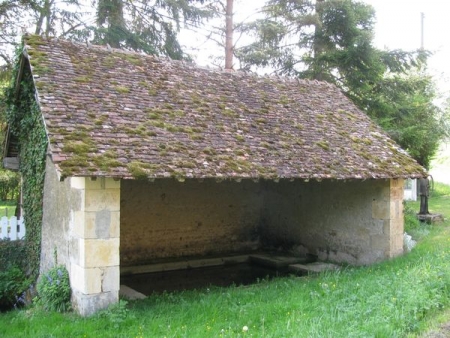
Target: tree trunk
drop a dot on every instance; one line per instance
(44, 14)
(229, 35)
(318, 47)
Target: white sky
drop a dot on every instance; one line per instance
(398, 27)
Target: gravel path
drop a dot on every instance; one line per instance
(442, 332)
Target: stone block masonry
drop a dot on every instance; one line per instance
(355, 222)
(169, 219)
(81, 230)
(87, 221)
(94, 262)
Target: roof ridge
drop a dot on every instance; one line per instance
(221, 70)
(189, 64)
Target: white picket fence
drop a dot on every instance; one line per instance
(12, 228)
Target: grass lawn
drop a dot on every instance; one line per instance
(439, 201)
(7, 208)
(403, 297)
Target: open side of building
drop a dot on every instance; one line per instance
(103, 225)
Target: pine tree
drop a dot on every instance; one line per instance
(148, 25)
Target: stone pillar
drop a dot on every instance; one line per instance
(396, 228)
(95, 232)
(388, 209)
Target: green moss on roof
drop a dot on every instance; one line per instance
(131, 58)
(78, 147)
(83, 79)
(122, 89)
(140, 170)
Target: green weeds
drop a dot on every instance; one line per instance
(54, 290)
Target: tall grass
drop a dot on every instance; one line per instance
(396, 298)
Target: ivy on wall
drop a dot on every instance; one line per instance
(25, 122)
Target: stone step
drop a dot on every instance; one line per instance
(315, 267)
(183, 265)
(277, 261)
(129, 293)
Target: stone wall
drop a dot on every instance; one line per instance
(95, 255)
(356, 222)
(393, 220)
(57, 203)
(169, 219)
(81, 224)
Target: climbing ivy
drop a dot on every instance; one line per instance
(25, 122)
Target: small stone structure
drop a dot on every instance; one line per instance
(154, 221)
(172, 161)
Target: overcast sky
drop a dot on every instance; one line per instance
(399, 26)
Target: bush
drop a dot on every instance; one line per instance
(411, 221)
(13, 278)
(13, 284)
(9, 185)
(116, 313)
(54, 290)
(12, 253)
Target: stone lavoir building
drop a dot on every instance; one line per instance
(150, 160)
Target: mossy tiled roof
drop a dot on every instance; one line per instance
(120, 114)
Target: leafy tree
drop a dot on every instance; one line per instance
(332, 40)
(142, 25)
(43, 17)
(403, 105)
(9, 185)
(327, 40)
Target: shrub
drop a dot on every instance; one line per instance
(12, 253)
(13, 278)
(116, 313)
(9, 185)
(54, 290)
(411, 221)
(13, 284)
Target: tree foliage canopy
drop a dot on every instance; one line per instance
(148, 25)
(151, 26)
